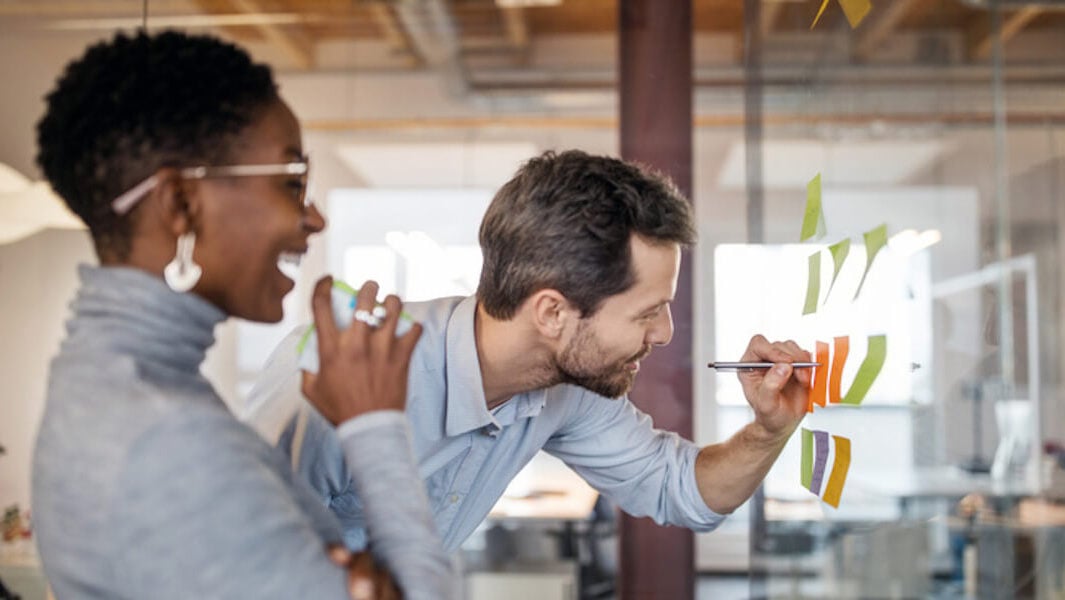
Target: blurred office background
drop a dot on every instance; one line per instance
(943, 119)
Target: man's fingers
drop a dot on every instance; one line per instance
(777, 377)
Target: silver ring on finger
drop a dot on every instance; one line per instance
(367, 317)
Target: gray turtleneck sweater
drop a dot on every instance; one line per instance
(145, 486)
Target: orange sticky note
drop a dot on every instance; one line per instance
(817, 395)
(839, 471)
(841, 347)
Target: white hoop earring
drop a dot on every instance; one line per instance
(182, 273)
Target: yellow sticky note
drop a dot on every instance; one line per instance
(868, 372)
(813, 284)
(813, 219)
(855, 10)
(875, 240)
(840, 466)
(839, 251)
(820, 12)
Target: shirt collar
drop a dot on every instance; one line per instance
(467, 408)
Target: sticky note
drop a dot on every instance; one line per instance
(820, 12)
(806, 469)
(839, 252)
(820, 389)
(867, 373)
(820, 461)
(813, 284)
(839, 471)
(813, 218)
(875, 240)
(840, 349)
(855, 10)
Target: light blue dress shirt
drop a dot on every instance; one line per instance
(468, 454)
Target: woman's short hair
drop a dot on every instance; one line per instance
(136, 103)
(564, 222)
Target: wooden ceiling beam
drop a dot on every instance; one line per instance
(885, 24)
(297, 47)
(82, 8)
(393, 33)
(982, 39)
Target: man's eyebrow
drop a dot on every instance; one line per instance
(656, 306)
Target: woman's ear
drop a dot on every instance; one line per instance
(174, 201)
(552, 312)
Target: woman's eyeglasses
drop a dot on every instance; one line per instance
(129, 199)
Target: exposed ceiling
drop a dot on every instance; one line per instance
(424, 32)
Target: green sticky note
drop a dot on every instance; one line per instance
(807, 468)
(839, 251)
(875, 240)
(813, 219)
(855, 10)
(813, 284)
(868, 372)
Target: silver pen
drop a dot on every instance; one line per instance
(737, 366)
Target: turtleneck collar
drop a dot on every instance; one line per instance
(134, 312)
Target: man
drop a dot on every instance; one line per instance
(581, 257)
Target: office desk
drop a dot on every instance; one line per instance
(546, 489)
(940, 483)
(531, 543)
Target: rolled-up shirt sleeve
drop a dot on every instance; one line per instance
(645, 471)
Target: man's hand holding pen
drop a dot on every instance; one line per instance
(779, 394)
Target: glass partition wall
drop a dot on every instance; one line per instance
(934, 281)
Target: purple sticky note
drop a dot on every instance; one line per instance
(820, 460)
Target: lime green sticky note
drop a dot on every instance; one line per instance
(839, 251)
(807, 468)
(868, 372)
(875, 240)
(813, 219)
(813, 284)
(855, 10)
(820, 12)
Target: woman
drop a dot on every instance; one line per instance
(188, 169)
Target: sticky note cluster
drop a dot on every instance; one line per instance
(816, 447)
(813, 228)
(827, 381)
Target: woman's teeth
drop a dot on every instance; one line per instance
(289, 264)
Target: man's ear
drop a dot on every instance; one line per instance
(552, 312)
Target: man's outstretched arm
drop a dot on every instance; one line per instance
(729, 472)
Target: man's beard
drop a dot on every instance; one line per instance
(579, 364)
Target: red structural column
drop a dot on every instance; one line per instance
(655, 89)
